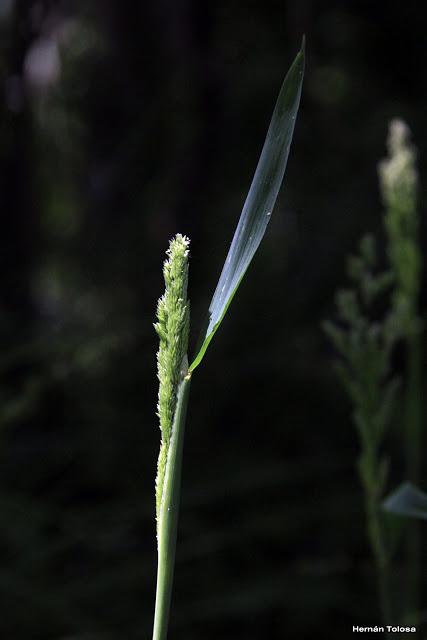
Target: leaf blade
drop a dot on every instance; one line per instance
(407, 500)
(259, 202)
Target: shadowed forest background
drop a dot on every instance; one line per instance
(121, 124)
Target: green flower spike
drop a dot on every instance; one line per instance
(172, 326)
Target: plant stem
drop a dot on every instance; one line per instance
(168, 520)
(376, 537)
(413, 463)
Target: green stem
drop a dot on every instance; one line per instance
(413, 409)
(168, 519)
(413, 464)
(376, 536)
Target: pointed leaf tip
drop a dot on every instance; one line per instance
(260, 200)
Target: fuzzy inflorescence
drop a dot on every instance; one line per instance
(172, 327)
(399, 184)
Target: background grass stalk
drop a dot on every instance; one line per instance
(379, 551)
(365, 344)
(399, 184)
(168, 520)
(413, 424)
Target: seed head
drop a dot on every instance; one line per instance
(172, 326)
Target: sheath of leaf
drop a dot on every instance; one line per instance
(172, 326)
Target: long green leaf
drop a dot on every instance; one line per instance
(407, 500)
(260, 200)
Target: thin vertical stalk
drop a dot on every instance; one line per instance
(413, 462)
(376, 536)
(168, 520)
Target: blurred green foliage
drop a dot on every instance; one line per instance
(366, 344)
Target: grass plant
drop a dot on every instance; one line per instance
(399, 186)
(173, 321)
(366, 345)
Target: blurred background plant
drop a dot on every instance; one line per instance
(399, 186)
(366, 345)
(121, 124)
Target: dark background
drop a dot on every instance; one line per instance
(121, 124)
